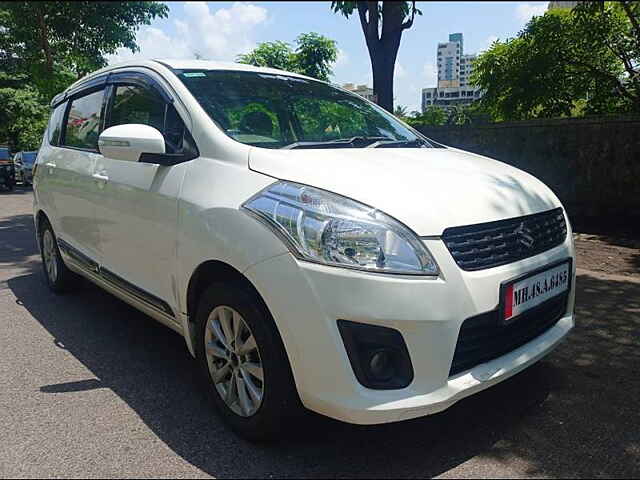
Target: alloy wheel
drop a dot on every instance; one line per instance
(234, 361)
(50, 255)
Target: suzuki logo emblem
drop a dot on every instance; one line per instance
(524, 236)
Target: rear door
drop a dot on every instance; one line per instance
(139, 207)
(69, 172)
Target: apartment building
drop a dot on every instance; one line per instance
(454, 73)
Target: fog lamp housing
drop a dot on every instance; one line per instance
(378, 355)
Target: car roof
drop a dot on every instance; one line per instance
(177, 64)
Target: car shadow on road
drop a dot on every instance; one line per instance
(574, 414)
(17, 190)
(17, 239)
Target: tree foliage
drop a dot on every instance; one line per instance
(74, 34)
(313, 56)
(23, 116)
(276, 54)
(400, 111)
(46, 46)
(382, 24)
(433, 115)
(583, 60)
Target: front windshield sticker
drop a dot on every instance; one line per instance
(194, 74)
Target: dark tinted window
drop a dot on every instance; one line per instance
(55, 124)
(4, 154)
(135, 104)
(83, 122)
(29, 158)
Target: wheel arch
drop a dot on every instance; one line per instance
(217, 271)
(39, 219)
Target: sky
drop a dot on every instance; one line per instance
(222, 30)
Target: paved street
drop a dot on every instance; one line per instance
(92, 388)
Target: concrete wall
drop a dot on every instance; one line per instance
(592, 164)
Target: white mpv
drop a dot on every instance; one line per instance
(314, 251)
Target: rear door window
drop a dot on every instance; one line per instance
(84, 121)
(55, 124)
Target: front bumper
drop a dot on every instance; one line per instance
(307, 299)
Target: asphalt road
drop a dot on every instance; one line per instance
(92, 388)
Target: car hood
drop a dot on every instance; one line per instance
(427, 189)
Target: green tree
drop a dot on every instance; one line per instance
(46, 46)
(23, 116)
(584, 60)
(313, 56)
(458, 115)
(270, 54)
(401, 111)
(433, 115)
(382, 24)
(57, 41)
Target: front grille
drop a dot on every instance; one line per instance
(484, 337)
(491, 244)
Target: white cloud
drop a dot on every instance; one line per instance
(153, 43)
(525, 11)
(399, 71)
(342, 58)
(430, 73)
(221, 34)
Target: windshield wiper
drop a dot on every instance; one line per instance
(418, 142)
(339, 142)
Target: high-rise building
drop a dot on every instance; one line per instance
(454, 71)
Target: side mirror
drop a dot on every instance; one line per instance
(130, 141)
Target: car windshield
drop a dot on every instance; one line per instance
(28, 158)
(281, 111)
(4, 154)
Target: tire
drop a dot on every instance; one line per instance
(279, 406)
(59, 278)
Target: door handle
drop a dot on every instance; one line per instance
(101, 179)
(50, 166)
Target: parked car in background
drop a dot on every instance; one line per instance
(25, 163)
(313, 250)
(7, 170)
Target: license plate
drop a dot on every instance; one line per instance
(534, 288)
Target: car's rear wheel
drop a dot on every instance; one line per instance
(59, 278)
(244, 365)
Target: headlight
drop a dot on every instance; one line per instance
(326, 228)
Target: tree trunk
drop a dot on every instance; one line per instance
(44, 41)
(383, 63)
(383, 82)
(383, 45)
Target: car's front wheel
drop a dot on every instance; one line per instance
(244, 364)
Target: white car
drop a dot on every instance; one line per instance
(314, 251)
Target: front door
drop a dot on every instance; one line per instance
(138, 216)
